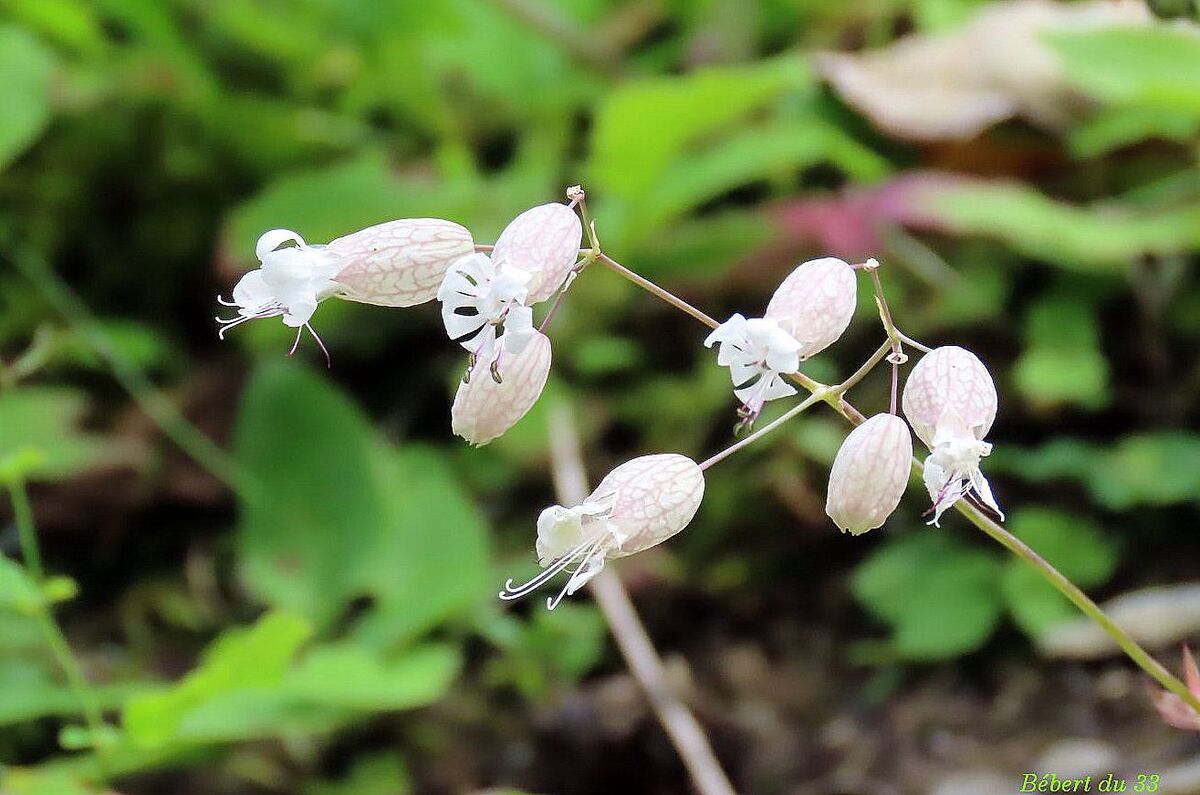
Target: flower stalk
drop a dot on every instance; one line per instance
(833, 395)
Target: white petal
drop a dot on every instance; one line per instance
(273, 239)
(518, 329)
(460, 325)
(252, 293)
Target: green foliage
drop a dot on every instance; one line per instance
(1062, 361)
(1101, 239)
(1072, 544)
(44, 421)
(942, 598)
(255, 683)
(419, 546)
(1153, 469)
(24, 93)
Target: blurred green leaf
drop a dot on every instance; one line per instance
(1062, 361)
(350, 676)
(1101, 238)
(24, 93)
(1149, 65)
(1072, 544)
(940, 596)
(45, 420)
(316, 535)
(378, 774)
(1150, 469)
(324, 203)
(241, 659)
(18, 592)
(315, 512)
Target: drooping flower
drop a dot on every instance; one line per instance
(815, 303)
(638, 505)
(950, 400)
(543, 241)
(399, 263)
(479, 297)
(869, 474)
(484, 408)
(758, 354)
(487, 305)
(289, 284)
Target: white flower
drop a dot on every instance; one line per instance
(479, 296)
(869, 474)
(756, 349)
(289, 284)
(950, 400)
(638, 505)
(952, 469)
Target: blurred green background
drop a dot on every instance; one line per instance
(313, 610)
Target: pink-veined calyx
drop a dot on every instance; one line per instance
(638, 505)
(950, 400)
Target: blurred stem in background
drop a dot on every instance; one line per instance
(161, 409)
(55, 639)
(570, 481)
(834, 398)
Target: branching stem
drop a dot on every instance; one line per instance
(833, 397)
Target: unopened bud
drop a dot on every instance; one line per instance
(815, 303)
(543, 240)
(399, 263)
(489, 403)
(869, 474)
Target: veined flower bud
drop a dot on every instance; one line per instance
(399, 263)
(639, 504)
(869, 474)
(485, 407)
(951, 402)
(949, 377)
(815, 303)
(543, 240)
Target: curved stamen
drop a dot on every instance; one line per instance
(575, 582)
(223, 301)
(321, 345)
(296, 343)
(512, 592)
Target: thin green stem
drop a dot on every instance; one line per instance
(55, 639)
(165, 414)
(813, 399)
(1067, 588)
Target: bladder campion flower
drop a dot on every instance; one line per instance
(484, 408)
(640, 504)
(815, 303)
(290, 282)
(869, 474)
(543, 241)
(399, 263)
(479, 298)
(757, 352)
(950, 401)
(807, 313)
